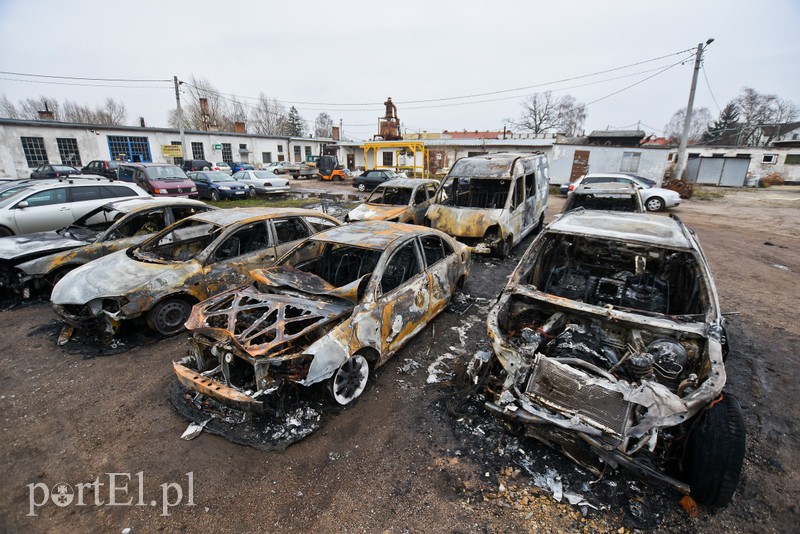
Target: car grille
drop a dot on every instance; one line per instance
(567, 391)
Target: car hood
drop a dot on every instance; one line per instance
(228, 183)
(172, 184)
(118, 275)
(463, 222)
(29, 246)
(376, 212)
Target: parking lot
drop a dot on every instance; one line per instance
(404, 458)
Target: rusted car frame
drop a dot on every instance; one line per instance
(611, 344)
(183, 264)
(343, 301)
(492, 202)
(404, 200)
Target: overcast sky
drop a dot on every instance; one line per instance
(320, 56)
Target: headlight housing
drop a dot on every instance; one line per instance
(224, 188)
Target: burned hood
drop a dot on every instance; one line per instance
(118, 275)
(463, 222)
(290, 277)
(377, 212)
(264, 324)
(28, 246)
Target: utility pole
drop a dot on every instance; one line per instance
(184, 149)
(341, 130)
(698, 58)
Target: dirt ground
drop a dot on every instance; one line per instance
(397, 460)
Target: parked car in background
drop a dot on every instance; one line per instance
(31, 264)
(342, 302)
(278, 167)
(611, 342)
(159, 179)
(52, 204)
(221, 166)
(262, 182)
(654, 198)
(402, 200)
(237, 166)
(369, 180)
(492, 202)
(102, 167)
(217, 186)
(609, 196)
(190, 165)
(185, 263)
(49, 170)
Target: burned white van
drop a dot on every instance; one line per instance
(492, 202)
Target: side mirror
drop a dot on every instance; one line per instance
(23, 204)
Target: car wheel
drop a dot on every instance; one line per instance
(215, 196)
(56, 276)
(503, 248)
(5, 232)
(349, 381)
(252, 192)
(716, 452)
(167, 317)
(362, 187)
(654, 204)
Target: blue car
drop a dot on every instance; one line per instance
(218, 186)
(237, 166)
(53, 171)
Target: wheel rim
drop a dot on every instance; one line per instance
(214, 196)
(252, 192)
(350, 380)
(170, 316)
(361, 187)
(654, 204)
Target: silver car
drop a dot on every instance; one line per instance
(262, 182)
(654, 198)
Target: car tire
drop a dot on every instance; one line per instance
(214, 196)
(503, 248)
(168, 316)
(5, 232)
(654, 204)
(349, 380)
(56, 276)
(252, 192)
(362, 187)
(715, 452)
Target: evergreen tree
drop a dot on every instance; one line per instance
(297, 126)
(724, 130)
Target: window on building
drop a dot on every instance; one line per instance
(630, 161)
(175, 159)
(242, 146)
(671, 156)
(792, 159)
(197, 151)
(266, 157)
(227, 152)
(388, 159)
(280, 157)
(693, 155)
(770, 159)
(473, 154)
(308, 151)
(743, 156)
(68, 150)
(129, 148)
(297, 153)
(35, 154)
(280, 148)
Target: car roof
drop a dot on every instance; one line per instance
(234, 215)
(407, 182)
(624, 226)
(140, 164)
(377, 235)
(609, 187)
(75, 180)
(610, 175)
(129, 205)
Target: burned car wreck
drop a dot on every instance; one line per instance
(610, 346)
(342, 302)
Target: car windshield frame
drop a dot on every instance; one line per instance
(199, 234)
(165, 173)
(218, 177)
(379, 193)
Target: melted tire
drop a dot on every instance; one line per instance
(716, 452)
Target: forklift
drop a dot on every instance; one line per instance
(328, 166)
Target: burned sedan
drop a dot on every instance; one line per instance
(183, 264)
(31, 264)
(402, 200)
(343, 301)
(611, 345)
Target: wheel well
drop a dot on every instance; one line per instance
(5, 231)
(191, 300)
(371, 355)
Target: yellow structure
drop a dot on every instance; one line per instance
(416, 169)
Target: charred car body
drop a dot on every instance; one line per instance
(183, 264)
(492, 202)
(344, 300)
(605, 197)
(402, 200)
(611, 345)
(31, 264)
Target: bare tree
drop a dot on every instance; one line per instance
(7, 108)
(112, 112)
(544, 112)
(759, 110)
(204, 109)
(323, 125)
(30, 107)
(698, 125)
(269, 117)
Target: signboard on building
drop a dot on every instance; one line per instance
(172, 151)
(217, 147)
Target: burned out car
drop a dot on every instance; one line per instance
(341, 302)
(402, 200)
(610, 342)
(605, 197)
(183, 264)
(31, 264)
(492, 202)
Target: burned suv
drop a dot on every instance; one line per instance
(610, 346)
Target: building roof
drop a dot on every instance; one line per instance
(639, 134)
(494, 143)
(475, 134)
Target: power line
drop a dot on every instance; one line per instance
(84, 84)
(709, 89)
(82, 78)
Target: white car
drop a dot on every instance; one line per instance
(52, 204)
(654, 198)
(223, 167)
(263, 182)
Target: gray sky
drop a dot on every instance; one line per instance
(351, 52)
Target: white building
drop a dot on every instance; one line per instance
(25, 144)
